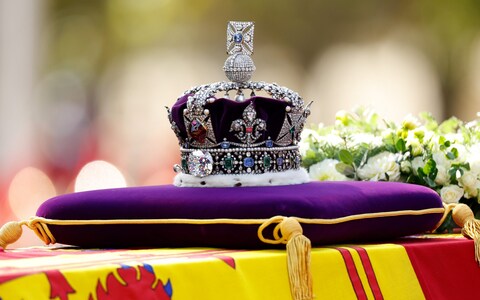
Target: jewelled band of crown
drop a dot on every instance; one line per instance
(239, 160)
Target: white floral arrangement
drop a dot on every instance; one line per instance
(363, 146)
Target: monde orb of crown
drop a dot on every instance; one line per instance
(239, 67)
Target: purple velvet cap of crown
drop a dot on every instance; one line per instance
(324, 200)
(224, 111)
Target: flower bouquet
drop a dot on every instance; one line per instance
(363, 146)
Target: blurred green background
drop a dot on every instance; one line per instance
(83, 84)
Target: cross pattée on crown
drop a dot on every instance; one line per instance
(240, 37)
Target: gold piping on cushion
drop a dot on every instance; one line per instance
(11, 231)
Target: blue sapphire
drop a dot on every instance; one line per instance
(269, 143)
(280, 161)
(238, 37)
(225, 145)
(297, 160)
(248, 162)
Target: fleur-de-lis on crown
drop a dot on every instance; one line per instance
(249, 128)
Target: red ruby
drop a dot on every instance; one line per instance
(198, 132)
(249, 129)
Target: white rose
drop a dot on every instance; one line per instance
(442, 175)
(468, 180)
(406, 166)
(470, 183)
(474, 158)
(366, 138)
(308, 133)
(326, 171)
(472, 193)
(451, 193)
(462, 153)
(417, 162)
(331, 140)
(441, 159)
(454, 138)
(379, 165)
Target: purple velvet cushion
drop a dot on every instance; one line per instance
(324, 200)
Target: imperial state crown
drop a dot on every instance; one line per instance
(222, 132)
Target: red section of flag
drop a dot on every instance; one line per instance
(445, 268)
(353, 274)
(372, 278)
(147, 286)
(59, 286)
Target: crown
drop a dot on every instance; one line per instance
(221, 132)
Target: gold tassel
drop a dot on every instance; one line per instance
(463, 217)
(298, 256)
(10, 233)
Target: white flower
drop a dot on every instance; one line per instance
(462, 153)
(417, 162)
(442, 175)
(451, 193)
(326, 171)
(441, 159)
(365, 138)
(331, 140)
(468, 180)
(410, 122)
(456, 138)
(428, 135)
(470, 183)
(474, 158)
(413, 141)
(308, 133)
(380, 166)
(406, 166)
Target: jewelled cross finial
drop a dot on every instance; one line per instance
(240, 37)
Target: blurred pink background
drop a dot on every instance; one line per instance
(83, 84)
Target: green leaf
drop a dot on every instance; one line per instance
(431, 183)
(442, 140)
(345, 169)
(345, 156)
(430, 167)
(364, 159)
(452, 172)
(421, 173)
(455, 152)
(400, 145)
(451, 155)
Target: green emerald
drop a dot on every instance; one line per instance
(228, 162)
(267, 161)
(184, 164)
